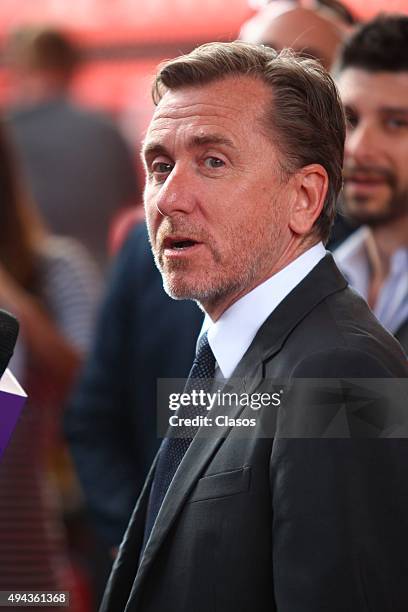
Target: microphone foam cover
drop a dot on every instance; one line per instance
(8, 336)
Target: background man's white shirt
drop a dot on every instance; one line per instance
(391, 308)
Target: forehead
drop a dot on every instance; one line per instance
(373, 90)
(232, 106)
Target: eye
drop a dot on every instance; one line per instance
(214, 162)
(351, 119)
(396, 123)
(161, 169)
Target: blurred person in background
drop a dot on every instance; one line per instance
(372, 76)
(335, 9)
(142, 335)
(51, 286)
(286, 24)
(79, 167)
(315, 31)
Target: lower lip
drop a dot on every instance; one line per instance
(180, 253)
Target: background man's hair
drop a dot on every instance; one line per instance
(380, 44)
(42, 48)
(338, 9)
(304, 119)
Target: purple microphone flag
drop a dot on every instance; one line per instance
(12, 399)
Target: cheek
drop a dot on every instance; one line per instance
(402, 169)
(152, 214)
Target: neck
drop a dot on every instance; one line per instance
(382, 242)
(35, 90)
(217, 306)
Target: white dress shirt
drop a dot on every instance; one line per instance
(391, 307)
(231, 335)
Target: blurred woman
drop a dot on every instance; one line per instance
(52, 287)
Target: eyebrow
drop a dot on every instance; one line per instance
(156, 148)
(210, 139)
(400, 110)
(349, 108)
(152, 148)
(384, 110)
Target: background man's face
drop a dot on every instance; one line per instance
(214, 174)
(376, 153)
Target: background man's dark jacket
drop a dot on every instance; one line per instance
(293, 525)
(78, 166)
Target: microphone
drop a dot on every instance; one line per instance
(8, 337)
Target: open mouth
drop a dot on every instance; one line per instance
(179, 243)
(183, 244)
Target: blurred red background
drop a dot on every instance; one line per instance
(123, 40)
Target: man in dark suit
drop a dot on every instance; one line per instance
(263, 510)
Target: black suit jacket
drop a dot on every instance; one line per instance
(293, 524)
(402, 335)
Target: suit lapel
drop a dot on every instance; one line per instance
(197, 457)
(323, 280)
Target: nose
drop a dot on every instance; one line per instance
(362, 143)
(177, 194)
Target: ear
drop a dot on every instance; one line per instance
(311, 184)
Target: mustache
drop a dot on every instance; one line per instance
(351, 171)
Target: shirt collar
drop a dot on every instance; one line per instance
(352, 259)
(231, 335)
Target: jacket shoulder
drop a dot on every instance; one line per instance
(342, 337)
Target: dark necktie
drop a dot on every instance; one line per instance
(173, 449)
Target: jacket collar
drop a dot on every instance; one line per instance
(324, 280)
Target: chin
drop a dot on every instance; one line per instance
(372, 218)
(183, 289)
(199, 290)
(367, 212)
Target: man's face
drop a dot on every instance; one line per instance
(215, 176)
(376, 152)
